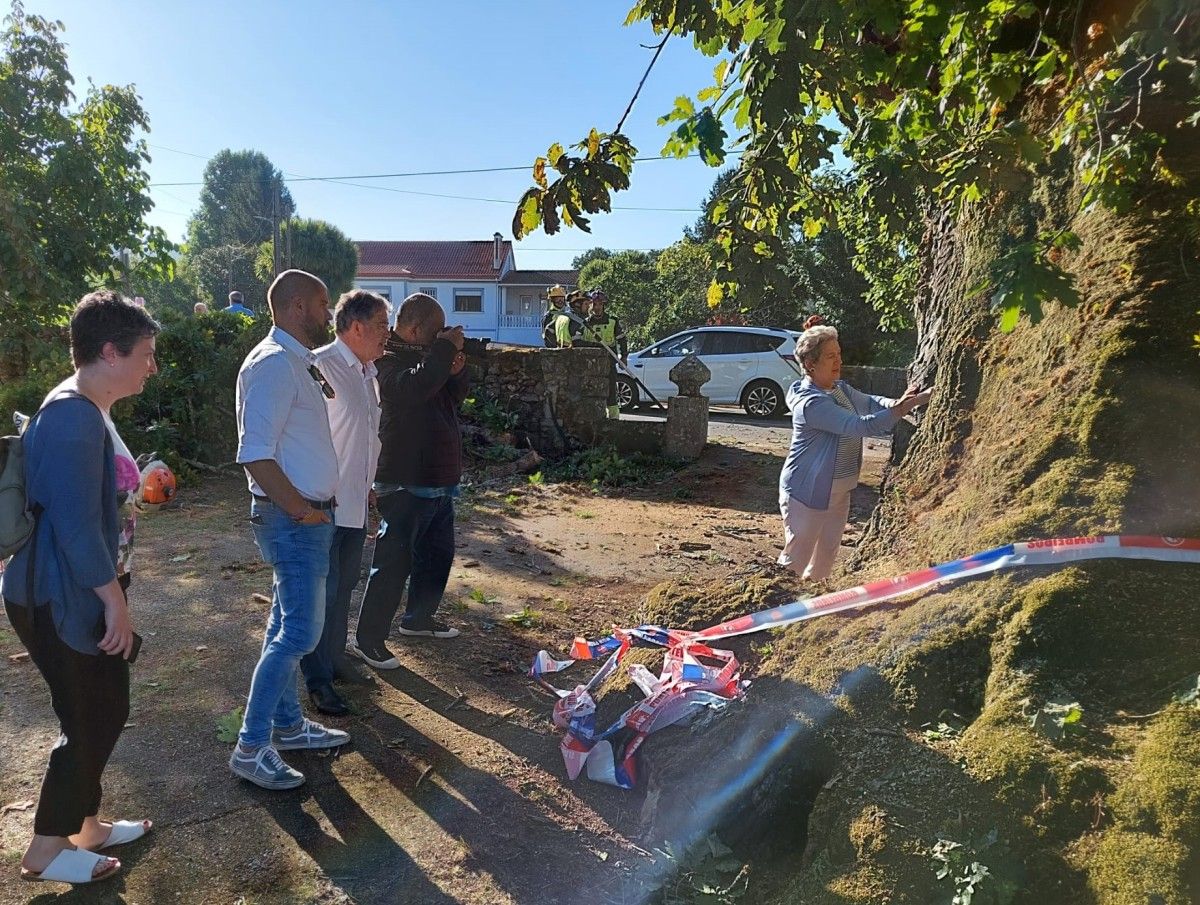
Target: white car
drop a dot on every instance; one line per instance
(751, 367)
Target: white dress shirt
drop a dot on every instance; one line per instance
(354, 423)
(281, 416)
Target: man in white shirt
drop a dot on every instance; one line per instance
(361, 321)
(285, 445)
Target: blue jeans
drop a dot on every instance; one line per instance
(299, 555)
(345, 564)
(415, 546)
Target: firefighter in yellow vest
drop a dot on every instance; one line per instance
(605, 329)
(568, 328)
(556, 303)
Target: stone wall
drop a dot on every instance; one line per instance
(559, 395)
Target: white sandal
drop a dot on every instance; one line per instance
(73, 865)
(125, 831)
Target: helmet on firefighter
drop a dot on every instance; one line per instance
(598, 295)
(157, 485)
(578, 297)
(556, 293)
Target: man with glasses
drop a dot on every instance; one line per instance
(352, 400)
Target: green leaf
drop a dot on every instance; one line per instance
(529, 215)
(813, 227)
(229, 725)
(1045, 67)
(1009, 317)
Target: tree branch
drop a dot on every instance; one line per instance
(638, 90)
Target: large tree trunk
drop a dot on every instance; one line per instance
(1086, 423)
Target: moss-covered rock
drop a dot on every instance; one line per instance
(1139, 868)
(1161, 794)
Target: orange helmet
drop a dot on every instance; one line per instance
(158, 485)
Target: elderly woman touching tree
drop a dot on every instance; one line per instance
(829, 420)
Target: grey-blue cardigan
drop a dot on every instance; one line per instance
(817, 423)
(71, 472)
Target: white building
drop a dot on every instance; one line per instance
(475, 282)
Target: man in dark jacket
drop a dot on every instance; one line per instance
(421, 384)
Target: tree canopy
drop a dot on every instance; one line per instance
(72, 185)
(318, 247)
(238, 201)
(937, 105)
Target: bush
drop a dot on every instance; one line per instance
(604, 466)
(187, 410)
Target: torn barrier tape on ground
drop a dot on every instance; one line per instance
(687, 682)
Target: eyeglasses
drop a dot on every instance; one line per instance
(315, 373)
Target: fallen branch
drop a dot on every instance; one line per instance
(204, 466)
(526, 463)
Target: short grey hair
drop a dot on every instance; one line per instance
(808, 346)
(357, 305)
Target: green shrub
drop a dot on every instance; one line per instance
(604, 466)
(489, 414)
(187, 410)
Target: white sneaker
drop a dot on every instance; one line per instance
(264, 768)
(308, 736)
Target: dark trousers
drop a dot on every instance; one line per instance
(90, 697)
(415, 543)
(612, 383)
(345, 564)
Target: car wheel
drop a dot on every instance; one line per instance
(627, 395)
(763, 399)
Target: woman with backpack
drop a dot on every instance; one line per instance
(65, 590)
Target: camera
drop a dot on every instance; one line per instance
(474, 346)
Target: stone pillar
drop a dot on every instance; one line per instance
(687, 413)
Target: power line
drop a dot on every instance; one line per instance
(344, 180)
(295, 178)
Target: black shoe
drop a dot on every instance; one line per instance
(350, 673)
(430, 629)
(328, 701)
(379, 657)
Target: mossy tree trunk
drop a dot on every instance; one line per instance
(1086, 423)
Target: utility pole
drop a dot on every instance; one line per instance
(275, 229)
(289, 242)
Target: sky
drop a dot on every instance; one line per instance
(362, 88)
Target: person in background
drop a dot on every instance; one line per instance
(236, 305)
(556, 303)
(361, 321)
(284, 443)
(604, 329)
(199, 308)
(568, 326)
(829, 420)
(65, 591)
(422, 382)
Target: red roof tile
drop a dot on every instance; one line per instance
(430, 260)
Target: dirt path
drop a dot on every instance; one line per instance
(453, 789)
